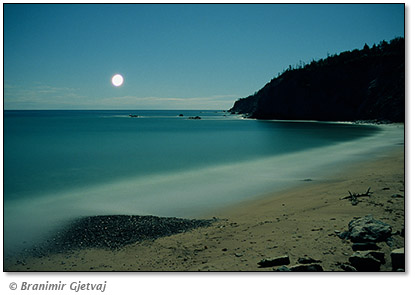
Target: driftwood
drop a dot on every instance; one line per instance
(353, 196)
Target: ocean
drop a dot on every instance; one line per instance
(59, 165)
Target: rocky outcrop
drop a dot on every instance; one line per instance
(368, 229)
(367, 84)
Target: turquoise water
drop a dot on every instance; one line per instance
(63, 164)
(52, 151)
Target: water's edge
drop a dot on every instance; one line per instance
(186, 193)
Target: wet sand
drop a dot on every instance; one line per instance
(300, 222)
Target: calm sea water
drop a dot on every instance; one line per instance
(63, 164)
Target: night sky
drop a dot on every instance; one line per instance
(172, 56)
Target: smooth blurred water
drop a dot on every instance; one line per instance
(63, 164)
(53, 151)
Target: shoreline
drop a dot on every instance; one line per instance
(298, 222)
(188, 193)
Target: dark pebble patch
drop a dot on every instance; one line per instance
(115, 231)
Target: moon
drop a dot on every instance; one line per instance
(117, 80)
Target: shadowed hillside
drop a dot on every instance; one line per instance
(367, 84)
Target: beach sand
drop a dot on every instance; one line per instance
(299, 222)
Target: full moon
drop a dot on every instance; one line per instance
(117, 80)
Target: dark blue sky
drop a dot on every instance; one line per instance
(172, 56)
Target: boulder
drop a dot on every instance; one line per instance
(275, 261)
(368, 229)
(376, 254)
(365, 246)
(344, 235)
(398, 259)
(347, 267)
(306, 267)
(282, 268)
(364, 261)
(307, 260)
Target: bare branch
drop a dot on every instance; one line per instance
(354, 196)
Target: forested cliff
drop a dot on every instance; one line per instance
(366, 84)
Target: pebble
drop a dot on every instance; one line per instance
(115, 231)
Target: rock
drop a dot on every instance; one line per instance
(276, 261)
(397, 196)
(306, 267)
(398, 259)
(365, 246)
(181, 115)
(238, 254)
(376, 254)
(282, 268)
(368, 229)
(347, 267)
(363, 261)
(390, 242)
(195, 118)
(307, 260)
(344, 235)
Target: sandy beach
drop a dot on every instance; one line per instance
(301, 222)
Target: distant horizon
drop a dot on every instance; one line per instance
(115, 110)
(172, 57)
